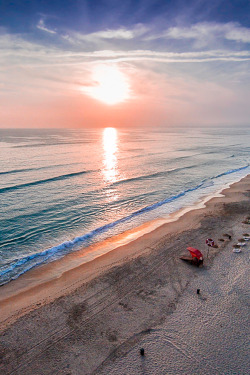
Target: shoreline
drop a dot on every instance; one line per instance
(45, 283)
(114, 303)
(101, 247)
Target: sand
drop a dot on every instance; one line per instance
(138, 295)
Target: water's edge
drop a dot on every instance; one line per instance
(27, 263)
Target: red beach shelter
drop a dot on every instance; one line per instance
(195, 253)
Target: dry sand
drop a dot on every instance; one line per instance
(140, 294)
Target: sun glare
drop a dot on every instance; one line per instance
(111, 85)
(109, 139)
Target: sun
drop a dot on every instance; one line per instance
(111, 85)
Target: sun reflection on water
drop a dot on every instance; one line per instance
(109, 141)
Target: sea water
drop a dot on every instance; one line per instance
(63, 190)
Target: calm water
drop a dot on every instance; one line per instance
(61, 190)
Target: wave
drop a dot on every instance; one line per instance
(14, 171)
(232, 171)
(47, 180)
(73, 174)
(31, 145)
(65, 247)
(152, 175)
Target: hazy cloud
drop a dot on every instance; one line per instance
(240, 34)
(41, 26)
(108, 34)
(206, 32)
(17, 51)
(172, 74)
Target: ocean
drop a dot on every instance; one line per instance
(62, 190)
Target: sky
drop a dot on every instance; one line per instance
(99, 63)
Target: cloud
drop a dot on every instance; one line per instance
(203, 35)
(173, 57)
(206, 32)
(41, 26)
(108, 34)
(16, 51)
(240, 34)
(33, 73)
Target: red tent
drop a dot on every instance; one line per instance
(195, 253)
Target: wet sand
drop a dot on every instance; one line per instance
(92, 318)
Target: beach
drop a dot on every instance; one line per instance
(93, 318)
